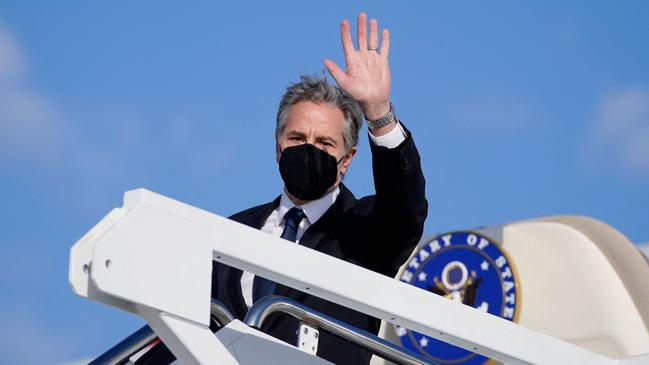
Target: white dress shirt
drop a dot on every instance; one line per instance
(313, 210)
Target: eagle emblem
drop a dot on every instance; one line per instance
(468, 268)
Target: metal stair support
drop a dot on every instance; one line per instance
(124, 350)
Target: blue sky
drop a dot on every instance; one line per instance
(520, 110)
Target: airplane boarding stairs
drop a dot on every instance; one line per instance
(153, 257)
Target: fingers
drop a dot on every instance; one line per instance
(362, 38)
(361, 34)
(374, 35)
(346, 37)
(336, 72)
(385, 43)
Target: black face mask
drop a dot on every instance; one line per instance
(307, 171)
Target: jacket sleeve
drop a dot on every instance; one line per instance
(399, 207)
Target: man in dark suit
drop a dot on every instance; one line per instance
(316, 137)
(376, 232)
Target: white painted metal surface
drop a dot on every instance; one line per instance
(143, 255)
(126, 261)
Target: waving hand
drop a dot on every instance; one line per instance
(367, 75)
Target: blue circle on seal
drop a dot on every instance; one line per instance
(466, 267)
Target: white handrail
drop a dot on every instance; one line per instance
(153, 257)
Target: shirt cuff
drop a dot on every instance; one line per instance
(390, 140)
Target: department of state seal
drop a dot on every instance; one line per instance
(466, 267)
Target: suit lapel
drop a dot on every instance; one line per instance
(256, 217)
(315, 236)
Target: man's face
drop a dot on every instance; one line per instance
(320, 125)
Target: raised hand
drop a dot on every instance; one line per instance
(367, 75)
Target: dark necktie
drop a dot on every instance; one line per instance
(262, 287)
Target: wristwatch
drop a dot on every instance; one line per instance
(383, 121)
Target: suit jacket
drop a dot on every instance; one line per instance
(377, 232)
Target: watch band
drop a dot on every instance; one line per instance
(383, 121)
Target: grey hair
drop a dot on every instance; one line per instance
(319, 90)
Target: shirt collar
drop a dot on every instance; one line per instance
(313, 209)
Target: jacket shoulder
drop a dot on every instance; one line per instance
(253, 216)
